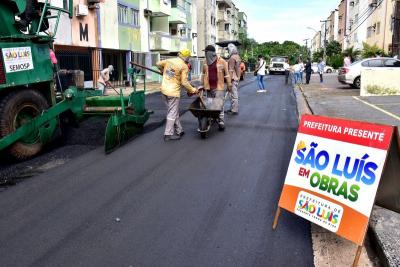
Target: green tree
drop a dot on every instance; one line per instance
(333, 48)
(354, 54)
(371, 51)
(318, 55)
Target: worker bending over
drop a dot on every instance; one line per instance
(175, 74)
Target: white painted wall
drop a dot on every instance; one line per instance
(386, 81)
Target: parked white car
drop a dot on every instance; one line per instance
(327, 69)
(352, 75)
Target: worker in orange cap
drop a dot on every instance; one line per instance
(175, 75)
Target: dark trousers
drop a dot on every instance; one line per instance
(287, 76)
(321, 77)
(308, 77)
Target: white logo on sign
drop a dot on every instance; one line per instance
(17, 59)
(319, 211)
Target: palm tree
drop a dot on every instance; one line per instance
(354, 54)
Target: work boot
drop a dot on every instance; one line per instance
(221, 127)
(230, 112)
(171, 138)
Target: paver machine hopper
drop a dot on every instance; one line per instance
(29, 107)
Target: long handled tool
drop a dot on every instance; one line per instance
(146, 68)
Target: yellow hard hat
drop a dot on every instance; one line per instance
(185, 53)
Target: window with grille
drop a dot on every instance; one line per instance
(128, 15)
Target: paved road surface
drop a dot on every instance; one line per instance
(190, 203)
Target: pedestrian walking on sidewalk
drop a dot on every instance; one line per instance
(235, 73)
(260, 71)
(215, 72)
(308, 69)
(346, 61)
(297, 72)
(321, 69)
(301, 70)
(175, 74)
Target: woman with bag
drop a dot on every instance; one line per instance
(260, 73)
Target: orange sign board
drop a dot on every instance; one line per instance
(334, 173)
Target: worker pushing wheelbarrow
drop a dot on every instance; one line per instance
(210, 109)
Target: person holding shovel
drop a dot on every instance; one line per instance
(175, 74)
(104, 79)
(215, 72)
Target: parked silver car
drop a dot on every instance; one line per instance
(352, 75)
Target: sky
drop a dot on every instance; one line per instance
(280, 20)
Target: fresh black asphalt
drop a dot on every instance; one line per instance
(188, 203)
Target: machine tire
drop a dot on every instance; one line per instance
(14, 109)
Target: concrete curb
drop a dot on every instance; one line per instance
(303, 107)
(384, 232)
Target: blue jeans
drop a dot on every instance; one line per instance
(297, 77)
(260, 80)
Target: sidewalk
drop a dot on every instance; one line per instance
(336, 100)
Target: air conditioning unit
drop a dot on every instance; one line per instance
(81, 10)
(148, 13)
(93, 4)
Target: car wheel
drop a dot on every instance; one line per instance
(357, 82)
(328, 71)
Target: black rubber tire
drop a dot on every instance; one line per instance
(328, 71)
(203, 125)
(357, 82)
(29, 101)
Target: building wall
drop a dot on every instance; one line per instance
(109, 37)
(206, 24)
(342, 23)
(357, 26)
(379, 25)
(129, 34)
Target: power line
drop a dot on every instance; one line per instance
(363, 20)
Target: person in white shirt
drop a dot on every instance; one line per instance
(301, 70)
(297, 70)
(260, 70)
(286, 66)
(346, 61)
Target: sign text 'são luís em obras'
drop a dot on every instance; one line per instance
(334, 173)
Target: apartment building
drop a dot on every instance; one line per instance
(332, 26)
(316, 42)
(242, 25)
(206, 24)
(227, 21)
(114, 32)
(342, 23)
(358, 12)
(380, 24)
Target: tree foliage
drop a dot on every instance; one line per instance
(371, 51)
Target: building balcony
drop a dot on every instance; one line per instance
(160, 41)
(178, 16)
(226, 3)
(159, 8)
(224, 36)
(222, 16)
(178, 43)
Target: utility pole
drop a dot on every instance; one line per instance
(307, 51)
(325, 42)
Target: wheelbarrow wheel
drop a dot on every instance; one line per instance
(203, 127)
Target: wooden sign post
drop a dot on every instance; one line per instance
(334, 174)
